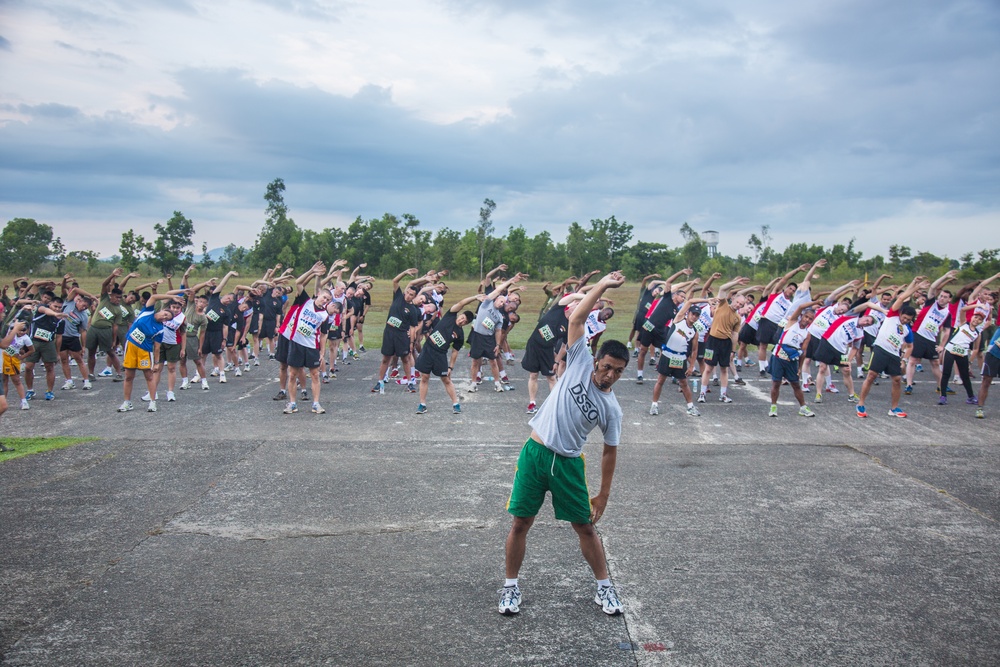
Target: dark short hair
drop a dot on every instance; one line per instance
(908, 310)
(116, 292)
(948, 292)
(794, 285)
(614, 349)
(49, 293)
(469, 315)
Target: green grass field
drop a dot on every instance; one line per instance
(24, 446)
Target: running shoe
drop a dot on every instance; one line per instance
(497, 387)
(740, 382)
(853, 398)
(395, 373)
(305, 395)
(228, 367)
(30, 394)
(763, 374)
(204, 384)
(654, 409)
(979, 411)
(86, 384)
(222, 377)
(411, 387)
(772, 411)
(693, 411)
(860, 410)
(68, 384)
(805, 386)
(804, 411)
(896, 412)
(638, 380)
(107, 372)
(949, 390)
(25, 406)
(457, 408)
(185, 383)
(972, 400)
(532, 408)
(510, 600)
(715, 382)
(146, 399)
(832, 389)
(49, 396)
(819, 398)
(151, 407)
(701, 398)
(725, 399)
(214, 373)
(290, 409)
(362, 349)
(118, 378)
(318, 409)
(171, 397)
(908, 390)
(256, 362)
(239, 372)
(920, 368)
(421, 409)
(635, 353)
(943, 400)
(473, 389)
(125, 406)
(376, 389)
(607, 597)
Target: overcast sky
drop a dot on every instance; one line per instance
(825, 120)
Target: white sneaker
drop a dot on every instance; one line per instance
(214, 373)
(228, 367)
(701, 398)
(146, 399)
(107, 372)
(222, 377)
(86, 384)
(204, 383)
(247, 366)
(171, 397)
(256, 362)
(510, 600)
(24, 404)
(151, 407)
(239, 372)
(69, 384)
(185, 383)
(654, 409)
(196, 379)
(607, 597)
(497, 387)
(125, 406)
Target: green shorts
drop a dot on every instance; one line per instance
(43, 350)
(539, 469)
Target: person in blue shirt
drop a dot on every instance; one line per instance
(991, 369)
(142, 344)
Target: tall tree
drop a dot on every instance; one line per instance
(58, 254)
(24, 245)
(172, 240)
(484, 231)
(280, 235)
(133, 249)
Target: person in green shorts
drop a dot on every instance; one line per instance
(551, 460)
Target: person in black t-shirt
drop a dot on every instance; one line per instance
(654, 325)
(433, 357)
(396, 341)
(217, 314)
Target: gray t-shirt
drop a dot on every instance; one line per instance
(576, 406)
(77, 320)
(488, 319)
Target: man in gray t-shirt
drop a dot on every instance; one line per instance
(551, 460)
(483, 340)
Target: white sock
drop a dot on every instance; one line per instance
(762, 364)
(510, 582)
(690, 405)
(603, 583)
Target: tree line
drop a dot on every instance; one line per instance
(391, 243)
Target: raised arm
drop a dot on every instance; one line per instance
(780, 285)
(669, 282)
(708, 283)
(225, 279)
(726, 287)
(578, 318)
(938, 285)
(911, 289)
(110, 280)
(504, 285)
(395, 281)
(807, 281)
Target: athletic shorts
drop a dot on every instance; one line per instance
(212, 343)
(44, 350)
(812, 347)
(267, 328)
(281, 350)
(70, 344)
(137, 358)
(654, 338)
(539, 359)
(192, 348)
(784, 369)
(100, 339)
(335, 334)
(883, 362)
(395, 343)
(12, 365)
(869, 340)
(667, 365)
(539, 469)
(924, 348)
(484, 346)
(748, 335)
(768, 332)
(170, 353)
(300, 356)
(827, 354)
(991, 365)
(230, 337)
(718, 351)
(432, 361)
(637, 321)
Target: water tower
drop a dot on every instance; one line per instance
(711, 239)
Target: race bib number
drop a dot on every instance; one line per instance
(932, 328)
(546, 333)
(756, 317)
(648, 326)
(675, 361)
(438, 339)
(394, 322)
(958, 350)
(106, 314)
(43, 334)
(709, 355)
(305, 330)
(843, 360)
(11, 351)
(137, 336)
(125, 311)
(489, 324)
(699, 327)
(212, 316)
(191, 329)
(895, 341)
(783, 355)
(783, 323)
